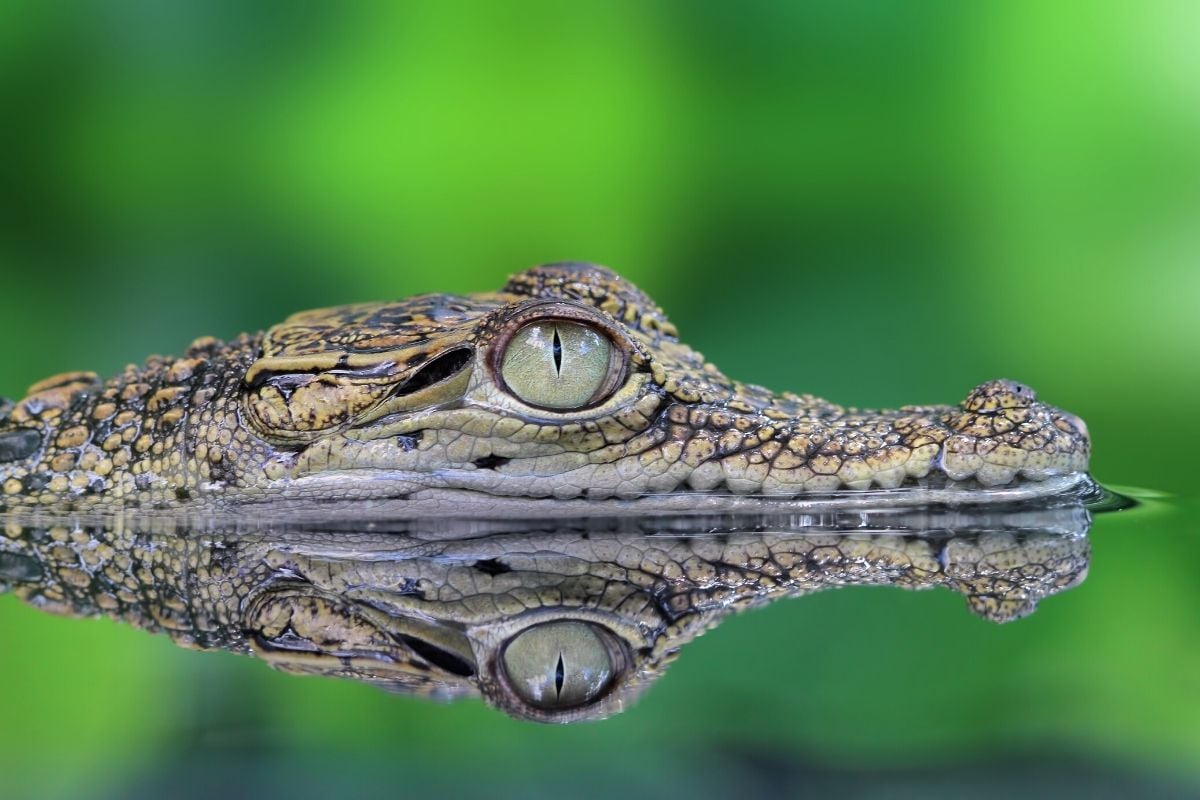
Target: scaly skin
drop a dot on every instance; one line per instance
(435, 611)
(405, 401)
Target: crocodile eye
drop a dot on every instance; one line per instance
(560, 665)
(558, 364)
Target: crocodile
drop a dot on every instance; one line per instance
(569, 386)
(551, 621)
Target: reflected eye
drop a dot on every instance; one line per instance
(558, 364)
(560, 665)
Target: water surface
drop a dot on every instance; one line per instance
(861, 687)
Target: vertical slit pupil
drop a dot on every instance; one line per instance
(559, 675)
(557, 347)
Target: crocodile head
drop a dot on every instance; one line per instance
(570, 383)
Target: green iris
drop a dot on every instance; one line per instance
(559, 664)
(557, 364)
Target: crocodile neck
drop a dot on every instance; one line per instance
(153, 436)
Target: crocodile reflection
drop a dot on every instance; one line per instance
(549, 621)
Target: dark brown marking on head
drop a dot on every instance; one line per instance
(17, 445)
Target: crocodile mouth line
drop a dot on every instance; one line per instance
(373, 493)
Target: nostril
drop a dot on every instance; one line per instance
(993, 395)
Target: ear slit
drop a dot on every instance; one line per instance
(437, 370)
(436, 656)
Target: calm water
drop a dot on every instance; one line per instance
(1088, 687)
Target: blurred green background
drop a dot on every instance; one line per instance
(880, 203)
